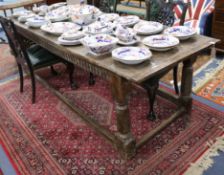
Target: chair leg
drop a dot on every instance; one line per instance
(53, 71)
(33, 87)
(175, 81)
(152, 87)
(71, 69)
(91, 79)
(21, 77)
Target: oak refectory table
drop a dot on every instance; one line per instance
(122, 77)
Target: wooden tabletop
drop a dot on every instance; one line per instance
(21, 3)
(161, 61)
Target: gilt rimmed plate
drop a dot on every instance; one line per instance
(108, 17)
(181, 32)
(148, 27)
(129, 20)
(161, 42)
(131, 55)
(59, 27)
(65, 42)
(36, 21)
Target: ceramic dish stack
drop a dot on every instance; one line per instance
(71, 38)
(59, 28)
(129, 20)
(161, 42)
(131, 55)
(181, 32)
(84, 14)
(100, 44)
(36, 21)
(148, 28)
(59, 14)
(99, 27)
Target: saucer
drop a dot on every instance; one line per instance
(133, 42)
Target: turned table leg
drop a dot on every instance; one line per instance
(125, 142)
(186, 88)
(152, 86)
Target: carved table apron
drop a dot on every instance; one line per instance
(122, 77)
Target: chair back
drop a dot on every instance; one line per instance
(163, 12)
(16, 43)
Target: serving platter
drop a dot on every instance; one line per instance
(129, 20)
(181, 32)
(21, 13)
(148, 27)
(161, 42)
(131, 55)
(23, 18)
(59, 14)
(59, 27)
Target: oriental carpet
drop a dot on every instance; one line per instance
(48, 138)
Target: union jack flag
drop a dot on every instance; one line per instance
(196, 13)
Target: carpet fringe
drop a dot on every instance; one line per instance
(206, 161)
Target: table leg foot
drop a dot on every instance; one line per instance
(152, 116)
(91, 79)
(74, 86)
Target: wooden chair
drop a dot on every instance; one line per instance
(163, 12)
(11, 6)
(30, 56)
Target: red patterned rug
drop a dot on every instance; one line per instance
(47, 138)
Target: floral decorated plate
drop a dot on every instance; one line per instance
(148, 27)
(181, 32)
(99, 27)
(131, 55)
(129, 20)
(99, 44)
(161, 42)
(59, 27)
(65, 42)
(108, 17)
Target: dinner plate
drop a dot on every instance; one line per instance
(62, 41)
(161, 42)
(57, 5)
(73, 35)
(108, 17)
(59, 27)
(129, 20)
(148, 27)
(181, 32)
(131, 55)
